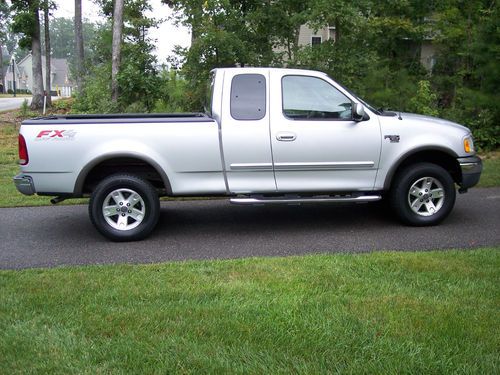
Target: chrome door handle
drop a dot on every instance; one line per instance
(286, 136)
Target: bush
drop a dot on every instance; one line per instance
(63, 104)
(96, 94)
(425, 101)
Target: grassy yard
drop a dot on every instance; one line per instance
(9, 197)
(378, 313)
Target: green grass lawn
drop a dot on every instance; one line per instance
(379, 313)
(491, 171)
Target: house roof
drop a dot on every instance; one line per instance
(59, 70)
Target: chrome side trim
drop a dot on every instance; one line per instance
(471, 167)
(251, 201)
(323, 166)
(251, 166)
(470, 164)
(302, 166)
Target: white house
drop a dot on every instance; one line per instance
(61, 85)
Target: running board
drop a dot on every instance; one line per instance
(298, 200)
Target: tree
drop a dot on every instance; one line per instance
(47, 7)
(26, 21)
(4, 17)
(138, 79)
(79, 51)
(62, 38)
(116, 47)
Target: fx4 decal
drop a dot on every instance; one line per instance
(56, 135)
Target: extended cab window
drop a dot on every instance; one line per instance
(307, 98)
(248, 97)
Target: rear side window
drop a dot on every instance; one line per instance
(248, 97)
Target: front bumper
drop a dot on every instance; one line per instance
(471, 167)
(24, 184)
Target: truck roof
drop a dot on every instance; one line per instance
(271, 69)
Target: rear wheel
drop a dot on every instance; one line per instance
(423, 194)
(124, 208)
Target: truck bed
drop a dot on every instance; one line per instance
(119, 118)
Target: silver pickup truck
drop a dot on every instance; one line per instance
(269, 136)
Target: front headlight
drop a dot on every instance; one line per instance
(469, 144)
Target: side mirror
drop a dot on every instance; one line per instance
(358, 112)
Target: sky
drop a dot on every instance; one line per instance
(166, 35)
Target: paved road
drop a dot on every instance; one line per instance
(15, 103)
(12, 103)
(63, 235)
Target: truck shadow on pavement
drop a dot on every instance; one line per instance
(224, 218)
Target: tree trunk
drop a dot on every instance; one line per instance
(2, 80)
(117, 44)
(79, 57)
(47, 52)
(36, 51)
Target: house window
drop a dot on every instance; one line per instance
(316, 40)
(331, 33)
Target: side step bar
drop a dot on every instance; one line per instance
(298, 200)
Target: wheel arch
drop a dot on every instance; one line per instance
(444, 157)
(128, 162)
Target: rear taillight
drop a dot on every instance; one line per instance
(23, 151)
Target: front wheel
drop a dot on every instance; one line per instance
(124, 208)
(423, 194)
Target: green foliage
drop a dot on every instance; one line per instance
(95, 96)
(23, 21)
(173, 93)
(62, 37)
(63, 104)
(138, 78)
(425, 101)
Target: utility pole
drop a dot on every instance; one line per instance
(13, 77)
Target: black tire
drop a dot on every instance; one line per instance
(137, 201)
(418, 177)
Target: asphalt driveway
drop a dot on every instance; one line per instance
(63, 235)
(12, 103)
